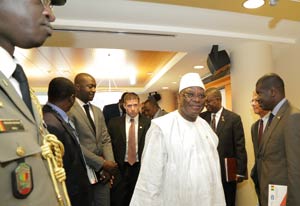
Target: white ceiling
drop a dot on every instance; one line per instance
(190, 31)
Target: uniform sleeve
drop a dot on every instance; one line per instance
(150, 181)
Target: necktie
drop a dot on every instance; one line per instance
(87, 111)
(260, 130)
(20, 76)
(213, 122)
(131, 143)
(270, 119)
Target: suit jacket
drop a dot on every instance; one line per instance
(160, 113)
(278, 155)
(231, 140)
(254, 175)
(12, 107)
(94, 145)
(110, 111)
(117, 131)
(74, 164)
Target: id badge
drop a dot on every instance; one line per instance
(22, 181)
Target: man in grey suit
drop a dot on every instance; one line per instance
(278, 159)
(24, 175)
(94, 138)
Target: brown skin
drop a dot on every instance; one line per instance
(190, 107)
(24, 23)
(85, 86)
(270, 91)
(149, 109)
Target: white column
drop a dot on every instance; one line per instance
(249, 61)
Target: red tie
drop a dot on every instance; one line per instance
(131, 143)
(260, 130)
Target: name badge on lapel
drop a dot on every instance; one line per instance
(22, 181)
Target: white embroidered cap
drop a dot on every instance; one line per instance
(190, 80)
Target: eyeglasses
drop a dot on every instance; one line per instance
(190, 96)
(46, 3)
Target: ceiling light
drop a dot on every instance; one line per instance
(273, 2)
(198, 67)
(253, 4)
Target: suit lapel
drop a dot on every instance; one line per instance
(267, 134)
(71, 131)
(221, 122)
(14, 97)
(123, 129)
(78, 109)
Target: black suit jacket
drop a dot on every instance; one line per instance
(77, 181)
(110, 111)
(117, 131)
(231, 140)
(254, 175)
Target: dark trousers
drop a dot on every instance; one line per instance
(122, 191)
(230, 192)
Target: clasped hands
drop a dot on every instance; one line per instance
(108, 171)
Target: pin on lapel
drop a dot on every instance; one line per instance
(222, 119)
(5, 82)
(141, 127)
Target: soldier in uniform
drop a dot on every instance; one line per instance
(24, 175)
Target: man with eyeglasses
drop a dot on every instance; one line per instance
(24, 175)
(180, 163)
(229, 129)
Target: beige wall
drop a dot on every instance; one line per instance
(288, 67)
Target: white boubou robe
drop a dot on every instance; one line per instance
(180, 165)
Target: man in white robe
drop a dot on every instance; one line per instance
(180, 163)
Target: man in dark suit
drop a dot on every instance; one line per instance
(61, 97)
(257, 130)
(24, 24)
(114, 110)
(93, 136)
(229, 128)
(119, 130)
(278, 159)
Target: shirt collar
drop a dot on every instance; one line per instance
(278, 106)
(8, 64)
(135, 118)
(81, 103)
(61, 112)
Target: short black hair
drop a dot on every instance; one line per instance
(272, 80)
(60, 88)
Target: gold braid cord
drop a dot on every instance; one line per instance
(53, 151)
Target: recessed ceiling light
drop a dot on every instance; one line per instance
(198, 67)
(253, 4)
(174, 82)
(165, 88)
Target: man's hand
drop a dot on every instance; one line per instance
(104, 177)
(110, 167)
